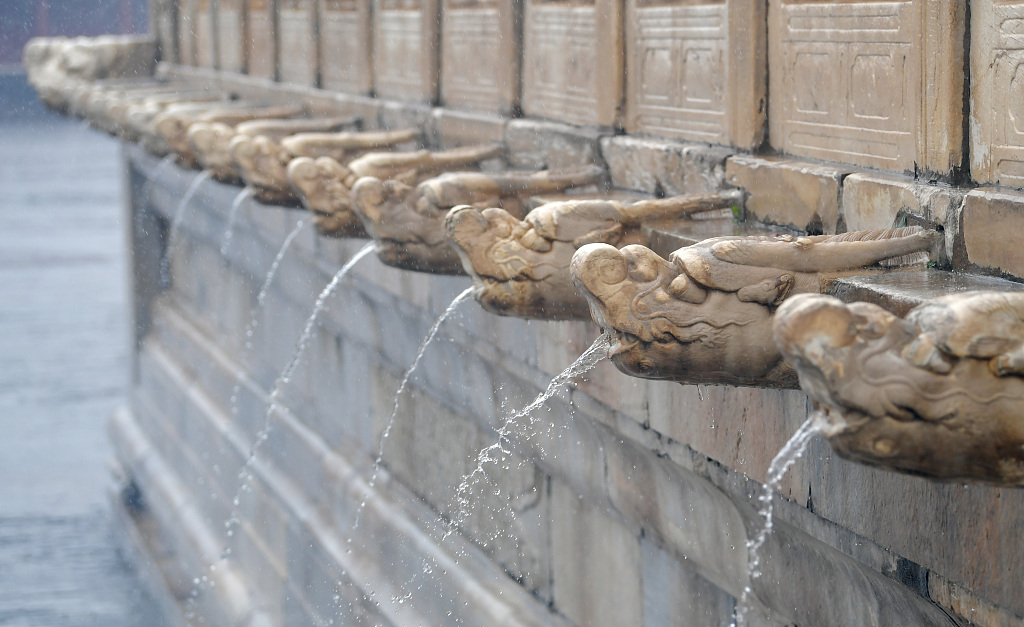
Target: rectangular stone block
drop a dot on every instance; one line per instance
(677, 596)
(535, 144)
(405, 49)
(163, 20)
(874, 201)
(345, 46)
(573, 61)
(596, 563)
(480, 54)
(877, 84)
(261, 40)
(660, 167)
(991, 224)
(206, 46)
(997, 92)
(800, 195)
(457, 128)
(697, 70)
(231, 35)
(186, 25)
(296, 22)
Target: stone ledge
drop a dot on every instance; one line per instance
(661, 167)
(900, 292)
(538, 144)
(991, 223)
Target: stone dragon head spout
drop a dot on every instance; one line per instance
(939, 393)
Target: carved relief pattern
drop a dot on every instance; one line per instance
(847, 81)
(560, 73)
(472, 65)
(344, 65)
(261, 40)
(299, 65)
(230, 36)
(397, 45)
(998, 132)
(678, 68)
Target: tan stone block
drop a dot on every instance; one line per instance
(789, 193)
(572, 60)
(884, 90)
(187, 53)
(536, 144)
(230, 35)
(997, 93)
(660, 167)
(345, 46)
(596, 563)
(457, 128)
(873, 201)
(480, 54)
(296, 23)
(991, 223)
(261, 44)
(204, 35)
(405, 49)
(162, 19)
(697, 70)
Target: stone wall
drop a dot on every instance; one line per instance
(624, 501)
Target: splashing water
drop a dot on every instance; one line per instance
(401, 388)
(781, 463)
(179, 214)
(244, 475)
(491, 454)
(154, 175)
(250, 328)
(229, 231)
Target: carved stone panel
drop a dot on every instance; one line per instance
(696, 70)
(205, 45)
(877, 84)
(231, 35)
(405, 49)
(297, 27)
(164, 20)
(572, 60)
(261, 42)
(480, 54)
(997, 92)
(186, 32)
(345, 46)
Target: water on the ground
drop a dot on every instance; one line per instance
(64, 342)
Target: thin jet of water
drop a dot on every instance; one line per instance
(401, 388)
(244, 474)
(229, 232)
(583, 364)
(781, 463)
(250, 328)
(179, 213)
(157, 171)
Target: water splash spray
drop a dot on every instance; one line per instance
(491, 454)
(401, 388)
(229, 231)
(172, 234)
(780, 465)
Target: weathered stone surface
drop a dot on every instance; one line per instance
(186, 32)
(456, 128)
(572, 63)
(659, 167)
(480, 54)
(989, 224)
(676, 596)
(231, 35)
(535, 144)
(900, 292)
(163, 18)
(344, 27)
(206, 45)
(868, 83)
(801, 195)
(405, 49)
(997, 89)
(874, 201)
(697, 70)
(296, 24)
(596, 562)
(261, 43)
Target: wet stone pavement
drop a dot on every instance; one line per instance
(63, 370)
